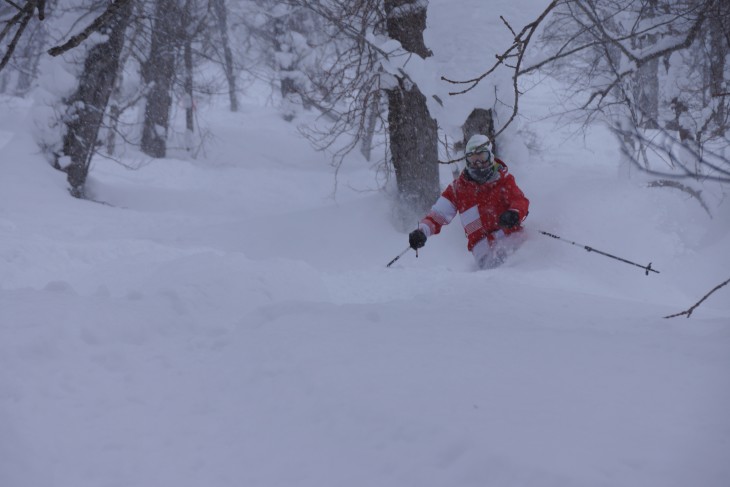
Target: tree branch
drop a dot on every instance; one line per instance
(664, 183)
(21, 18)
(516, 50)
(13, 4)
(97, 24)
(519, 44)
(452, 161)
(691, 35)
(690, 310)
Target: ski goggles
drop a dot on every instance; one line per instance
(479, 158)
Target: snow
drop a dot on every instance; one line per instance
(229, 321)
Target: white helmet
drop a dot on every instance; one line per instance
(478, 143)
(480, 165)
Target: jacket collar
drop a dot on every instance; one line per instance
(500, 169)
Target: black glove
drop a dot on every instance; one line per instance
(417, 239)
(509, 219)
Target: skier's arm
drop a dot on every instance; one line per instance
(516, 198)
(441, 213)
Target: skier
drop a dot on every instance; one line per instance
(491, 205)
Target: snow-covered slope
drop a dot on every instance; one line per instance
(227, 321)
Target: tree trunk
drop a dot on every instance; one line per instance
(86, 106)
(222, 15)
(33, 51)
(115, 102)
(189, 31)
(31, 58)
(285, 63)
(719, 48)
(646, 78)
(158, 73)
(413, 146)
(188, 85)
(372, 115)
(186, 31)
(412, 132)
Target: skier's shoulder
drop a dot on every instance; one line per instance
(504, 175)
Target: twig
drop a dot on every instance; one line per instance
(452, 161)
(684, 188)
(690, 310)
(13, 4)
(21, 18)
(517, 51)
(97, 24)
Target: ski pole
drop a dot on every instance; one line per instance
(591, 249)
(399, 256)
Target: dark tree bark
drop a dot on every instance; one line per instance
(413, 144)
(222, 16)
(406, 21)
(188, 86)
(646, 78)
(719, 48)
(87, 105)
(411, 129)
(158, 74)
(187, 29)
(479, 121)
(13, 26)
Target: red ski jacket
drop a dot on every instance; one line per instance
(479, 206)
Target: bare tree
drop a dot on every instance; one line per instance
(86, 106)
(31, 49)
(16, 18)
(194, 21)
(221, 13)
(350, 81)
(345, 79)
(168, 47)
(119, 101)
(158, 74)
(650, 68)
(285, 38)
(413, 132)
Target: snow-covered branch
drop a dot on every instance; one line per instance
(94, 26)
(644, 64)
